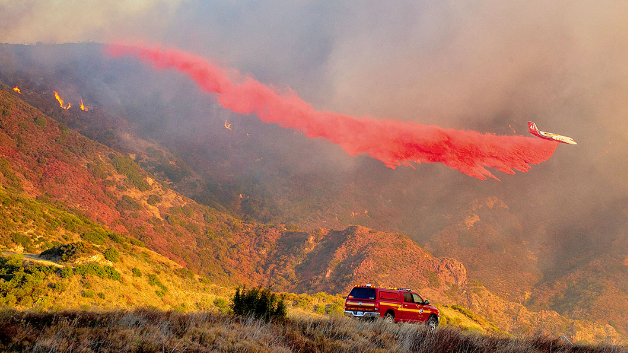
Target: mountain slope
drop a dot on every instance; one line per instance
(56, 165)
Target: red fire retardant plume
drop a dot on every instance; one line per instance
(392, 142)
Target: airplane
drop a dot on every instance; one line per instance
(548, 135)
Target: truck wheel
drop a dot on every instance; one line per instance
(432, 323)
(389, 317)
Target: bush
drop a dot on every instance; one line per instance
(112, 255)
(153, 199)
(68, 252)
(95, 269)
(88, 293)
(128, 203)
(66, 272)
(41, 121)
(94, 238)
(184, 273)
(22, 240)
(154, 281)
(111, 273)
(125, 166)
(221, 304)
(136, 272)
(260, 303)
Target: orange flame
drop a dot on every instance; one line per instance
(227, 125)
(16, 89)
(83, 106)
(61, 101)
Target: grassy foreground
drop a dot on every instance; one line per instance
(159, 331)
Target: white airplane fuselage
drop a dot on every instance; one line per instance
(548, 135)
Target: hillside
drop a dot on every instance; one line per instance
(263, 174)
(45, 161)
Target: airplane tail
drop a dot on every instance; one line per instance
(533, 129)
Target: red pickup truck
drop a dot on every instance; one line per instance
(391, 304)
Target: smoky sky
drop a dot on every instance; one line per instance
(480, 65)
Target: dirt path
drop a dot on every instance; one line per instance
(34, 258)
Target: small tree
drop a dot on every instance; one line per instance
(258, 302)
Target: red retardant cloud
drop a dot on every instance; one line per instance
(393, 142)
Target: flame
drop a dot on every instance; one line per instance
(83, 106)
(16, 89)
(61, 101)
(227, 125)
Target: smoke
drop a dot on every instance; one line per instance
(392, 142)
(485, 65)
(32, 21)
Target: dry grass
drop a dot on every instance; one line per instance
(158, 331)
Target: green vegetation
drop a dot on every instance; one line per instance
(94, 269)
(154, 281)
(125, 166)
(153, 199)
(260, 303)
(68, 252)
(41, 121)
(127, 203)
(94, 238)
(12, 180)
(112, 255)
(22, 285)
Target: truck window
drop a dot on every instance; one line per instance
(407, 297)
(417, 298)
(362, 293)
(388, 295)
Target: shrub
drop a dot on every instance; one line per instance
(60, 286)
(94, 238)
(23, 240)
(127, 203)
(41, 121)
(221, 304)
(126, 166)
(137, 242)
(118, 238)
(111, 273)
(260, 303)
(154, 281)
(153, 199)
(112, 255)
(68, 252)
(95, 269)
(88, 293)
(184, 273)
(66, 272)
(136, 272)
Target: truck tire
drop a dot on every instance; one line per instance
(389, 317)
(432, 323)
